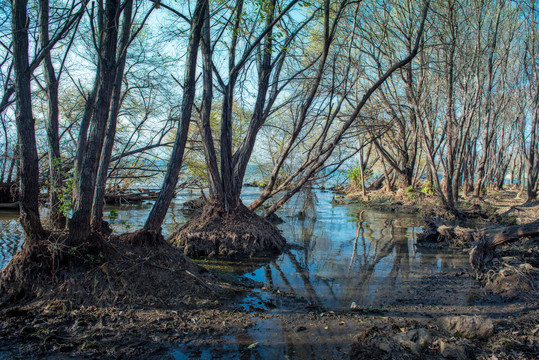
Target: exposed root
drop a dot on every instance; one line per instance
(513, 281)
(137, 268)
(216, 233)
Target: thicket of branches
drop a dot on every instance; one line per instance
(112, 93)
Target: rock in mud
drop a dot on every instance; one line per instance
(455, 351)
(472, 327)
(415, 339)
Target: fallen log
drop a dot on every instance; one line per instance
(119, 198)
(484, 240)
(489, 238)
(435, 231)
(10, 206)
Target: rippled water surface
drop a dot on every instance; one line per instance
(10, 235)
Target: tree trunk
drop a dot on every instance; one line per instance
(98, 202)
(533, 166)
(57, 219)
(29, 170)
(210, 155)
(243, 154)
(489, 238)
(362, 165)
(79, 225)
(160, 208)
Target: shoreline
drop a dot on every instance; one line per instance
(202, 326)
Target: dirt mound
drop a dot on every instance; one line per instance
(394, 343)
(140, 268)
(230, 235)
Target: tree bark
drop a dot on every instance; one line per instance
(57, 219)
(102, 175)
(210, 155)
(79, 225)
(489, 238)
(159, 210)
(29, 166)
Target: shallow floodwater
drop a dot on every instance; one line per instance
(336, 255)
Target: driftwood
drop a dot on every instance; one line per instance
(489, 238)
(484, 240)
(10, 206)
(118, 198)
(435, 231)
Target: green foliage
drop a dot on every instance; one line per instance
(428, 188)
(410, 192)
(65, 192)
(354, 176)
(127, 226)
(113, 214)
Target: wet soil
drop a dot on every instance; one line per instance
(239, 234)
(248, 321)
(259, 325)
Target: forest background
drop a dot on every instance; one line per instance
(100, 95)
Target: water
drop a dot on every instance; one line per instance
(337, 254)
(11, 235)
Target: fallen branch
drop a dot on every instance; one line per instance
(484, 240)
(435, 231)
(119, 198)
(489, 238)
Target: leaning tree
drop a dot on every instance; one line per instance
(226, 227)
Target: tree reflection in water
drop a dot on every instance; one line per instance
(369, 259)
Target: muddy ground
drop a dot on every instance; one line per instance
(460, 315)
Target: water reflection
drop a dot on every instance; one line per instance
(337, 254)
(343, 254)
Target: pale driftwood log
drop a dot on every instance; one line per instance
(484, 240)
(489, 238)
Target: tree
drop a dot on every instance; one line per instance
(531, 69)
(96, 115)
(29, 189)
(159, 210)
